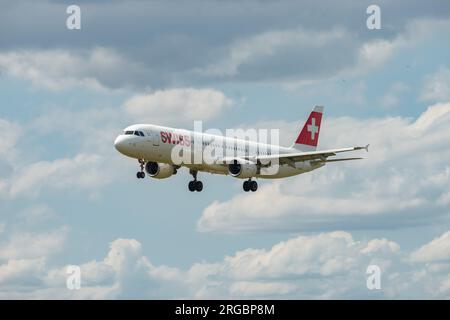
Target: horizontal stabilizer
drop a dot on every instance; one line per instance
(342, 159)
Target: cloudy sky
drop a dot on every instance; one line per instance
(68, 198)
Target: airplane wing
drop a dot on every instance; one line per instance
(316, 156)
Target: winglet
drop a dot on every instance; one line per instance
(360, 148)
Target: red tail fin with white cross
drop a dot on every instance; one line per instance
(309, 136)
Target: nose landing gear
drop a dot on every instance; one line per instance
(141, 174)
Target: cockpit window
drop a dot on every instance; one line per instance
(139, 133)
(136, 133)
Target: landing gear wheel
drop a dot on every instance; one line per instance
(253, 186)
(198, 186)
(195, 185)
(246, 185)
(140, 175)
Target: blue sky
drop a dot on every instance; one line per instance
(68, 198)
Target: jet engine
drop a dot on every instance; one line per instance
(243, 169)
(159, 170)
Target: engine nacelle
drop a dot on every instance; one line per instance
(243, 169)
(159, 170)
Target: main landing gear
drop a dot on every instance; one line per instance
(195, 185)
(250, 185)
(141, 174)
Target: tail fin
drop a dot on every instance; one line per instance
(309, 136)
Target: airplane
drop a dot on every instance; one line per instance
(153, 147)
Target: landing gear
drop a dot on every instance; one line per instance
(250, 185)
(141, 174)
(195, 185)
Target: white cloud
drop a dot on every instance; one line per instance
(10, 134)
(393, 96)
(298, 56)
(326, 265)
(36, 214)
(33, 245)
(168, 55)
(93, 167)
(95, 130)
(269, 44)
(378, 245)
(288, 56)
(22, 272)
(372, 54)
(435, 251)
(82, 171)
(166, 105)
(252, 290)
(411, 155)
(321, 255)
(124, 272)
(278, 51)
(58, 69)
(437, 86)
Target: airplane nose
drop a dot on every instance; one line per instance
(119, 144)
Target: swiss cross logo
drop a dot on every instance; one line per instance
(313, 128)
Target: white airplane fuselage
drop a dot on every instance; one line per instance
(158, 142)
